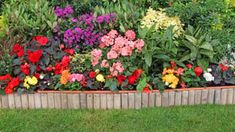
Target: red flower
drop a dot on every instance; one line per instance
(146, 90)
(198, 71)
(25, 68)
(183, 85)
(65, 61)
(92, 74)
(137, 73)
(121, 79)
(189, 66)
(69, 51)
(8, 90)
(37, 75)
(38, 68)
(49, 68)
(131, 79)
(173, 64)
(5, 77)
(223, 67)
(61, 46)
(58, 68)
(34, 56)
(42, 40)
(179, 71)
(109, 76)
(18, 49)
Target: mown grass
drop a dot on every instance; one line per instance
(188, 118)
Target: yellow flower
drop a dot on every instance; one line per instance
(171, 80)
(97, 71)
(100, 78)
(30, 81)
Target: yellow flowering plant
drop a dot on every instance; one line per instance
(160, 20)
(30, 81)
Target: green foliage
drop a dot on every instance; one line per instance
(5, 62)
(198, 12)
(29, 18)
(198, 47)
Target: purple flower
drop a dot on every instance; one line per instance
(100, 19)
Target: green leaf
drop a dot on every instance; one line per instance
(148, 58)
(203, 63)
(142, 84)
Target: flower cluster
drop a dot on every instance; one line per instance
(63, 12)
(30, 81)
(169, 78)
(161, 21)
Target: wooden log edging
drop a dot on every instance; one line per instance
(121, 100)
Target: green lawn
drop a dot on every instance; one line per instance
(191, 118)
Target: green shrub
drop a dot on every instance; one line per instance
(28, 18)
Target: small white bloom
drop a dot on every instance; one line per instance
(48, 84)
(208, 76)
(209, 69)
(41, 76)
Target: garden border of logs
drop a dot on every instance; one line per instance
(119, 100)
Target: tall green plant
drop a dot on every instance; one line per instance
(28, 18)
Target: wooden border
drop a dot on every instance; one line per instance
(224, 95)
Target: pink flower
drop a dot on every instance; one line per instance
(179, 71)
(76, 77)
(113, 34)
(130, 34)
(95, 56)
(131, 44)
(116, 68)
(116, 48)
(104, 63)
(112, 55)
(120, 41)
(107, 40)
(126, 51)
(139, 44)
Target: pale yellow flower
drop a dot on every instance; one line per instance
(100, 78)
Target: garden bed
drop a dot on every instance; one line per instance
(119, 100)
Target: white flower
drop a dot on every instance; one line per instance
(166, 83)
(41, 76)
(208, 76)
(209, 69)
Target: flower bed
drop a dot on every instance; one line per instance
(103, 50)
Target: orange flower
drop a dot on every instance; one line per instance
(64, 77)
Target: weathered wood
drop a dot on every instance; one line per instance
(230, 96)
(51, 101)
(137, 100)
(44, 101)
(11, 101)
(217, 96)
(233, 95)
(124, 101)
(76, 101)
(37, 100)
(89, 101)
(109, 101)
(152, 99)
(204, 96)
(64, 101)
(5, 103)
(31, 101)
(144, 100)
(83, 101)
(185, 97)
(197, 97)
(57, 100)
(25, 102)
(117, 101)
(158, 101)
(131, 100)
(223, 97)
(70, 101)
(103, 101)
(178, 98)
(96, 101)
(18, 102)
(165, 100)
(211, 96)
(171, 98)
(191, 97)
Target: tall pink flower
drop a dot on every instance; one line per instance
(139, 44)
(112, 55)
(116, 68)
(130, 34)
(104, 63)
(107, 40)
(113, 33)
(95, 56)
(126, 51)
